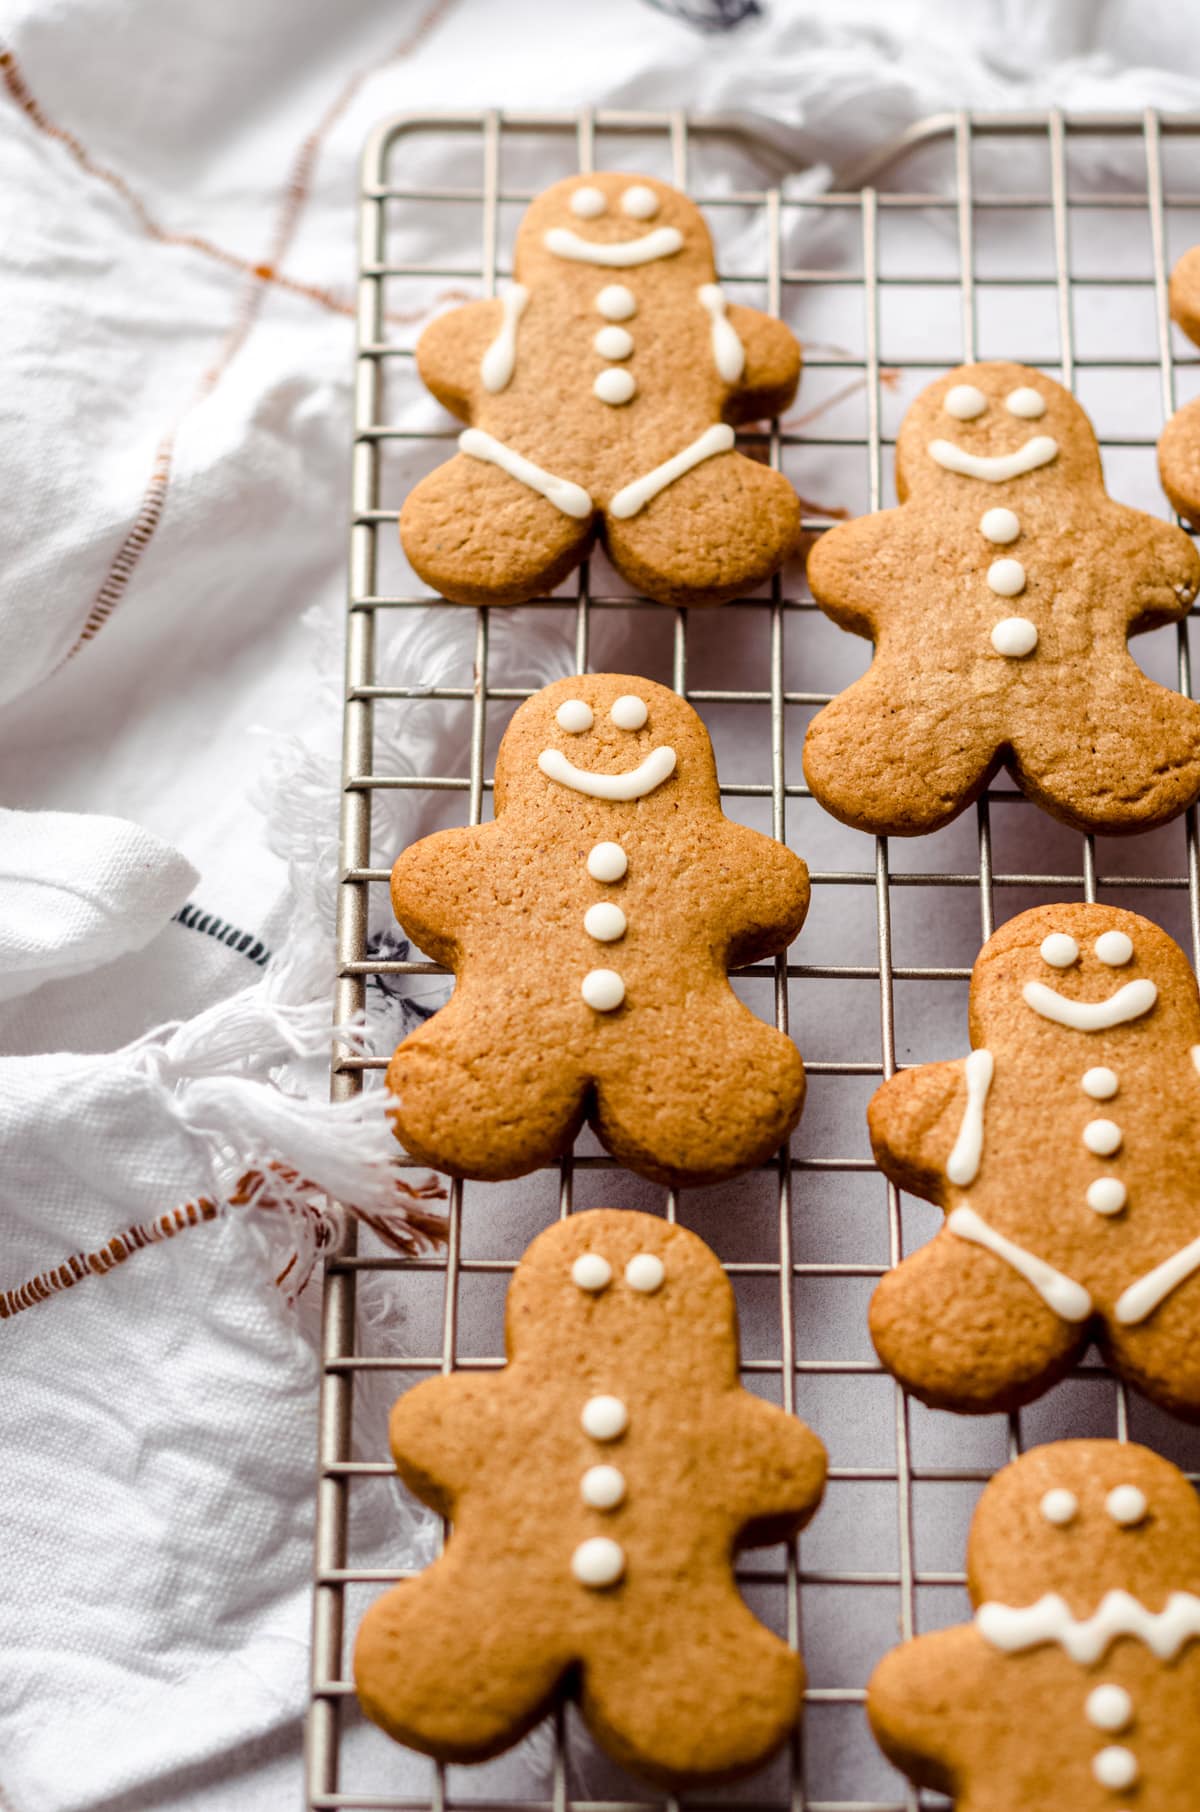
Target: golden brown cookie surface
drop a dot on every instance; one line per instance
(1076, 1683)
(600, 392)
(598, 1487)
(591, 927)
(1000, 596)
(1064, 1152)
(1179, 443)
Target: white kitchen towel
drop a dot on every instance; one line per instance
(177, 205)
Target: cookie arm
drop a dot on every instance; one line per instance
(450, 352)
(440, 1433)
(914, 1121)
(1170, 567)
(766, 895)
(431, 888)
(772, 1470)
(772, 370)
(850, 575)
(930, 1702)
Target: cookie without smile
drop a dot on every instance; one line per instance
(592, 927)
(1000, 597)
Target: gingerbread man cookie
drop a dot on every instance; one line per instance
(1000, 596)
(1076, 1685)
(591, 927)
(1064, 1151)
(1179, 443)
(599, 1487)
(601, 390)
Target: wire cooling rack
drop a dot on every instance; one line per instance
(1035, 236)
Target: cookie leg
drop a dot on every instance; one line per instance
(716, 1093)
(721, 529)
(1121, 761)
(477, 1095)
(436, 1675)
(879, 759)
(1161, 1356)
(479, 536)
(711, 1702)
(963, 1331)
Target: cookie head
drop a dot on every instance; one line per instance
(993, 430)
(1091, 973)
(1082, 1518)
(610, 738)
(588, 1286)
(602, 225)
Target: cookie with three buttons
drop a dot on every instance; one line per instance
(601, 390)
(1075, 1684)
(592, 926)
(1064, 1151)
(598, 1487)
(1179, 443)
(1000, 596)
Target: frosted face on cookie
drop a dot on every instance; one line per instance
(607, 227)
(996, 430)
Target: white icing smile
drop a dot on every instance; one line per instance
(662, 242)
(658, 766)
(1129, 1002)
(994, 468)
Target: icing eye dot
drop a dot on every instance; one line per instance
(629, 712)
(591, 1272)
(616, 303)
(1059, 950)
(602, 1487)
(1127, 1505)
(964, 402)
(1109, 1708)
(574, 716)
(587, 202)
(645, 1273)
(1115, 948)
(1060, 1506)
(1025, 402)
(640, 202)
(607, 862)
(604, 1418)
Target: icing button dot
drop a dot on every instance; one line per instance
(1102, 1137)
(1107, 1195)
(640, 202)
(614, 386)
(588, 202)
(574, 716)
(629, 712)
(1100, 1083)
(1115, 1767)
(613, 342)
(645, 1273)
(616, 302)
(1014, 636)
(964, 402)
(1109, 1708)
(1127, 1505)
(598, 1562)
(1006, 578)
(604, 1418)
(603, 990)
(1059, 1506)
(999, 526)
(1026, 402)
(603, 1488)
(1059, 950)
(607, 862)
(1114, 949)
(605, 922)
(591, 1272)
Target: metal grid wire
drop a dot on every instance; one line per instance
(847, 1761)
